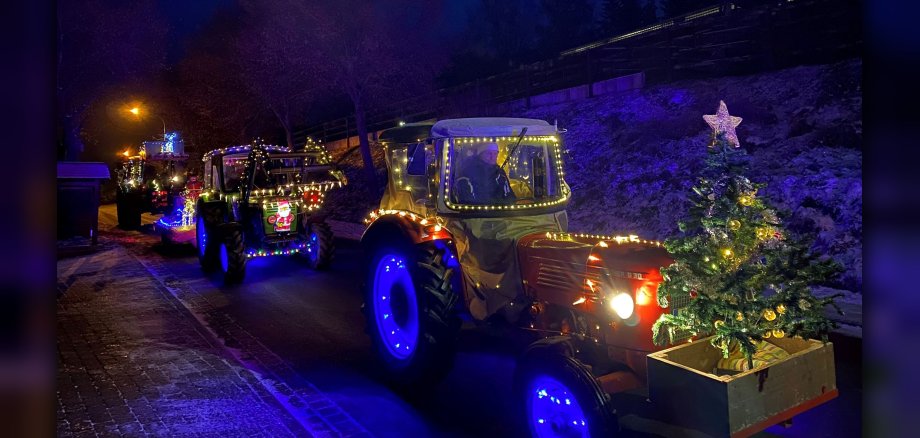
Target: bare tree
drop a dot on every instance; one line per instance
(375, 54)
(282, 67)
(104, 49)
(216, 101)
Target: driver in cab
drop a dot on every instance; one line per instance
(482, 181)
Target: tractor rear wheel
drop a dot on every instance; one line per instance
(207, 239)
(232, 254)
(411, 314)
(128, 209)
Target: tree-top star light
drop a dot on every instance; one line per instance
(723, 123)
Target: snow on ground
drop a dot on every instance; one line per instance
(635, 155)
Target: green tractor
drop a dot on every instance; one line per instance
(261, 200)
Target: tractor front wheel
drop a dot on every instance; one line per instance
(410, 309)
(207, 244)
(559, 397)
(320, 245)
(232, 254)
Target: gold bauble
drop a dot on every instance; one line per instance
(767, 334)
(718, 324)
(746, 200)
(781, 309)
(764, 233)
(734, 224)
(777, 333)
(727, 253)
(769, 315)
(739, 316)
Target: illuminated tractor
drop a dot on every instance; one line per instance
(260, 200)
(148, 183)
(489, 239)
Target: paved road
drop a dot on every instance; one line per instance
(301, 332)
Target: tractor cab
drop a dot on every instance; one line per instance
(487, 182)
(475, 168)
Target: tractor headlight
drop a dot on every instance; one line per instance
(623, 305)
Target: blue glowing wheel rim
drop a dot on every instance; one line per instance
(224, 258)
(202, 236)
(553, 410)
(395, 307)
(313, 248)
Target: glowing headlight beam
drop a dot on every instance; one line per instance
(623, 305)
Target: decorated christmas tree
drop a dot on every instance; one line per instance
(746, 279)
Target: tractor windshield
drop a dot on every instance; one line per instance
(499, 171)
(277, 170)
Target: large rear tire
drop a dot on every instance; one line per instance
(232, 254)
(411, 314)
(128, 209)
(559, 397)
(320, 245)
(207, 239)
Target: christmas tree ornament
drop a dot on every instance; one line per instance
(719, 324)
(734, 224)
(764, 233)
(727, 253)
(724, 123)
(746, 200)
(781, 309)
(777, 333)
(739, 316)
(767, 334)
(769, 315)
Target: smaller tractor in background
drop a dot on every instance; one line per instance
(262, 200)
(150, 181)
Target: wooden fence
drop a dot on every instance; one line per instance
(741, 37)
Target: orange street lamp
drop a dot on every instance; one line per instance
(137, 113)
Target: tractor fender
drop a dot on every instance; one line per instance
(400, 227)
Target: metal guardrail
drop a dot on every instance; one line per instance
(718, 40)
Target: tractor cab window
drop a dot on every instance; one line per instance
(283, 171)
(234, 169)
(501, 171)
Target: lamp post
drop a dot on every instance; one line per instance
(137, 113)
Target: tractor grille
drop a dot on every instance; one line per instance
(560, 275)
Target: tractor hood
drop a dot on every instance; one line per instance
(588, 272)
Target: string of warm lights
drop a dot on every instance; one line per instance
(280, 191)
(602, 239)
(437, 221)
(242, 148)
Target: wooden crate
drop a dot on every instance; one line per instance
(685, 391)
